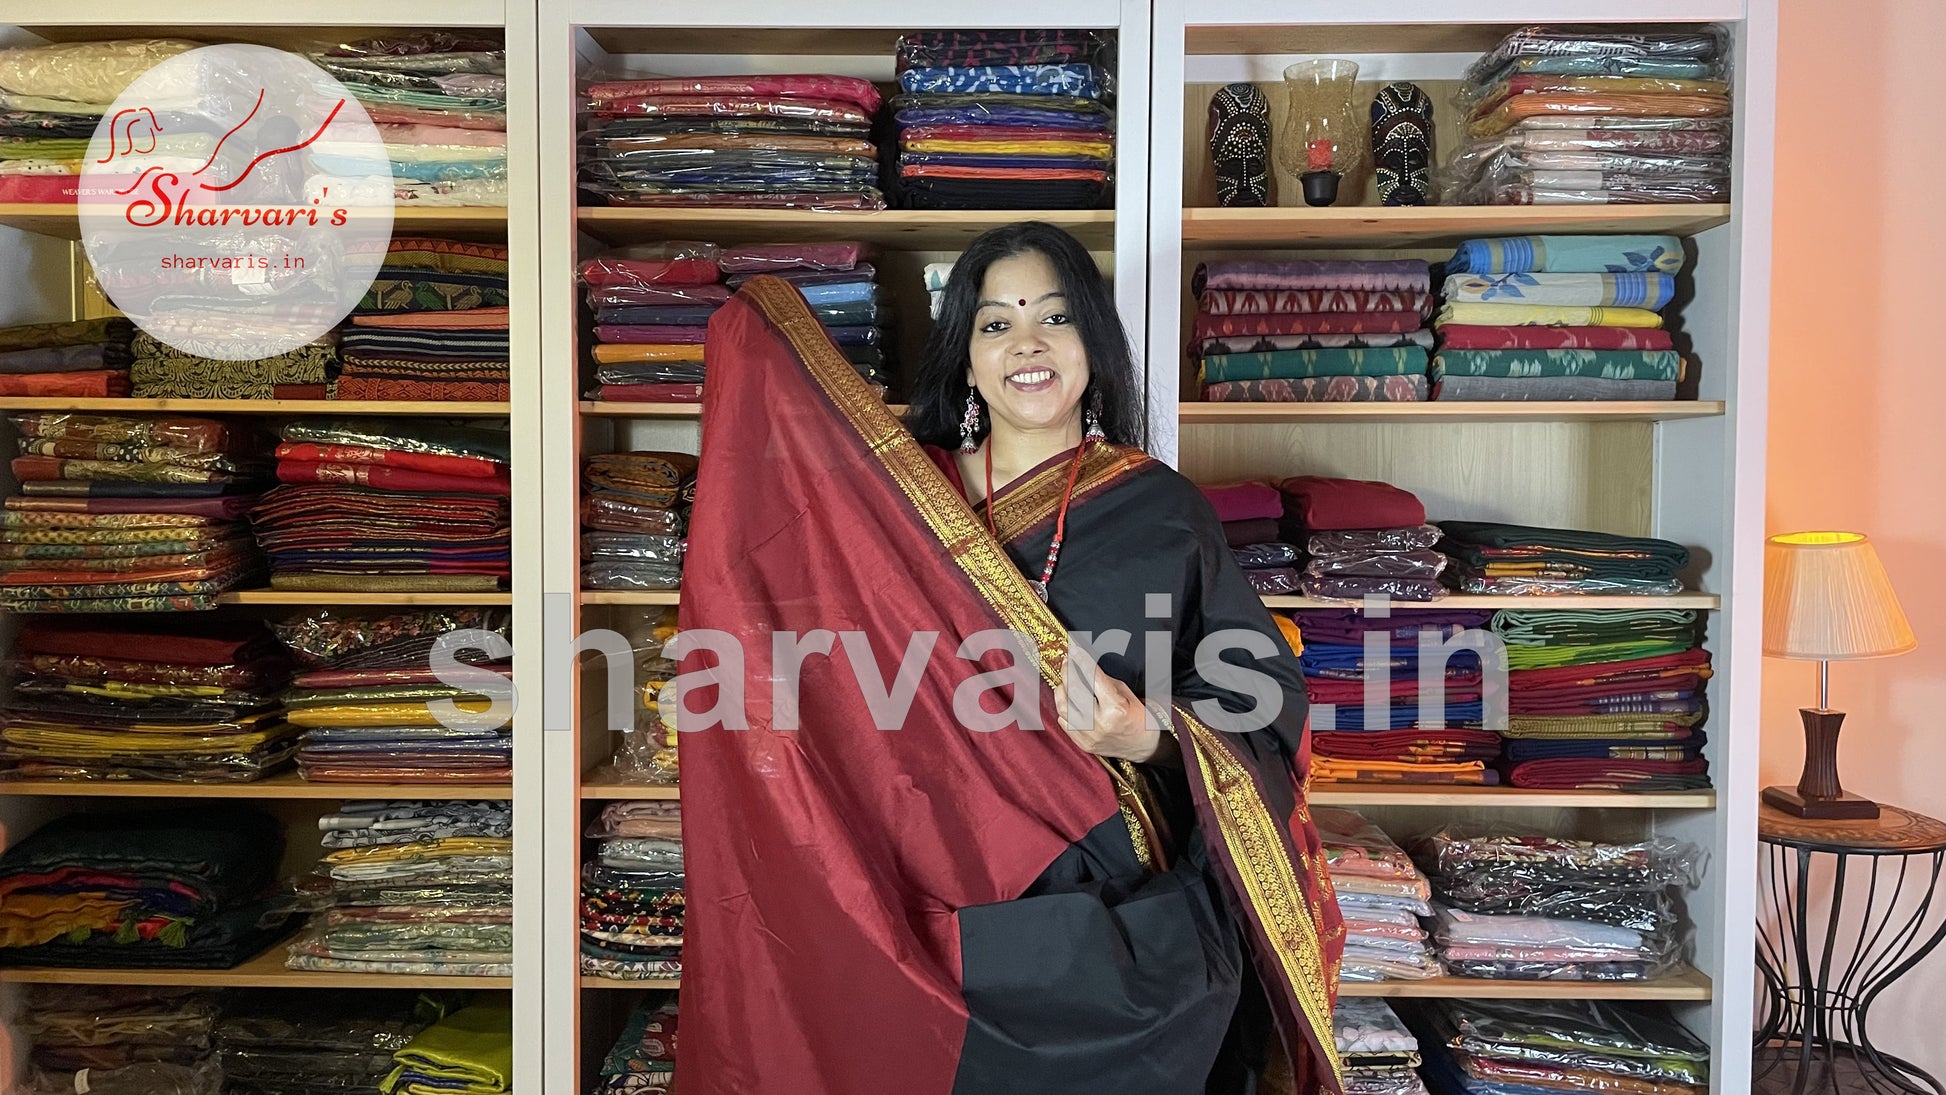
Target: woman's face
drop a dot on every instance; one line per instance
(1028, 361)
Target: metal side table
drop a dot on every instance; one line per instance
(1812, 1034)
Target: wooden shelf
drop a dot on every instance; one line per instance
(897, 229)
(589, 981)
(1430, 225)
(1684, 984)
(1433, 795)
(603, 783)
(691, 411)
(59, 219)
(267, 970)
(1231, 414)
(1231, 29)
(296, 597)
(630, 597)
(1703, 602)
(255, 406)
(286, 785)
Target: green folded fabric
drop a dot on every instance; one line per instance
(473, 1046)
(1479, 543)
(1554, 627)
(1555, 657)
(1605, 364)
(1304, 364)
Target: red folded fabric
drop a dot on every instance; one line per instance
(1565, 774)
(91, 384)
(472, 467)
(657, 334)
(1409, 745)
(387, 478)
(206, 642)
(1319, 502)
(1259, 302)
(615, 270)
(760, 258)
(1634, 670)
(1467, 336)
(998, 133)
(1309, 323)
(848, 89)
(1245, 501)
(1254, 531)
(356, 678)
(651, 393)
(1352, 693)
(228, 506)
(494, 319)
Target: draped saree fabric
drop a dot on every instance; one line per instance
(1014, 914)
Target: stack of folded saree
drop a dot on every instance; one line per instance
(1530, 906)
(319, 1042)
(1558, 317)
(646, 752)
(178, 888)
(1567, 116)
(643, 1059)
(632, 893)
(51, 99)
(417, 887)
(85, 359)
(634, 511)
(433, 325)
(106, 698)
(126, 514)
(1312, 330)
(1361, 539)
(440, 105)
(160, 371)
(1004, 119)
(1610, 700)
(1382, 895)
(652, 306)
(387, 505)
(767, 142)
(1353, 742)
(470, 1052)
(1489, 557)
(1378, 1052)
(120, 1040)
(1249, 512)
(1518, 1047)
(366, 694)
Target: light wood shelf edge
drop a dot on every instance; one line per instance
(298, 597)
(284, 786)
(266, 970)
(255, 406)
(590, 981)
(602, 784)
(1230, 414)
(1705, 602)
(1685, 984)
(1429, 225)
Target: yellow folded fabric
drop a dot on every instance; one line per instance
(84, 744)
(473, 1047)
(1328, 770)
(30, 919)
(1291, 634)
(1098, 149)
(1546, 315)
(445, 846)
(610, 353)
(378, 714)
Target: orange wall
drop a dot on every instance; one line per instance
(1857, 434)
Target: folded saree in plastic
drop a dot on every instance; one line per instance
(1008, 912)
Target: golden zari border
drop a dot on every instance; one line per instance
(945, 512)
(1257, 845)
(1024, 505)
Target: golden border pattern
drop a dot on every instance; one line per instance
(1026, 504)
(1270, 884)
(943, 509)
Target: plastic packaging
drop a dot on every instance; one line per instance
(1355, 589)
(630, 575)
(1481, 98)
(610, 512)
(1355, 542)
(646, 752)
(954, 48)
(1635, 1040)
(734, 106)
(1273, 580)
(672, 263)
(1263, 556)
(351, 640)
(1545, 1077)
(1510, 861)
(1420, 563)
(768, 257)
(1540, 587)
(1614, 50)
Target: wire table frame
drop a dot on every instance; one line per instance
(1813, 1033)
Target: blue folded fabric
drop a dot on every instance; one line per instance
(1080, 81)
(1351, 719)
(967, 159)
(1027, 117)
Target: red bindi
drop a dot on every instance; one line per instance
(1023, 302)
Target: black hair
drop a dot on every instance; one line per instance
(939, 387)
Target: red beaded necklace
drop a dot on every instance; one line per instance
(1060, 517)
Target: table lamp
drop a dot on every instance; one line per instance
(1827, 599)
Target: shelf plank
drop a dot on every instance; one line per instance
(1230, 30)
(1705, 602)
(1230, 414)
(267, 970)
(692, 411)
(1443, 796)
(1430, 225)
(255, 406)
(602, 783)
(298, 597)
(897, 229)
(589, 981)
(286, 785)
(59, 219)
(1685, 984)
(630, 597)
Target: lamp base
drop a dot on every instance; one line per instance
(1845, 807)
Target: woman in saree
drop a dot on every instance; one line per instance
(1045, 871)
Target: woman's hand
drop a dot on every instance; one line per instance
(1119, 727)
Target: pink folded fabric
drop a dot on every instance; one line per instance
(848, 89)
(768, 257)
(414, 133)
(1245, 501)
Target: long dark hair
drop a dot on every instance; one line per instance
(939, 387)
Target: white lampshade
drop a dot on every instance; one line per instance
(1827, 598)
